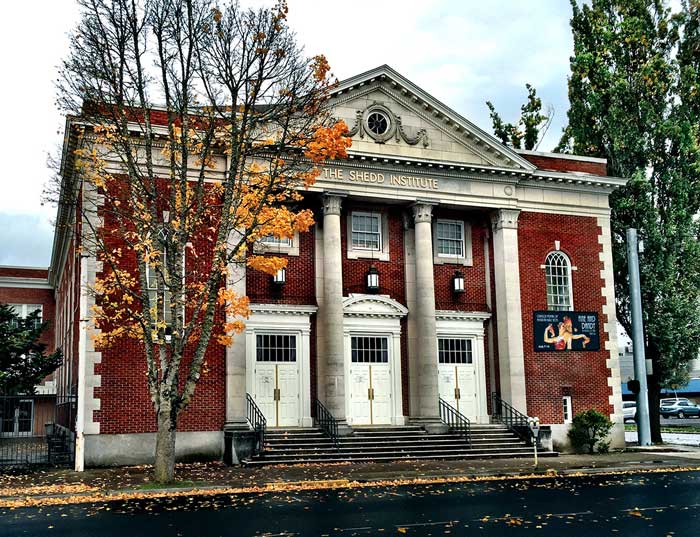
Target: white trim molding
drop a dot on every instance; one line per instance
(283, 319)
(375, 315)
(469, 325)
(610, 328)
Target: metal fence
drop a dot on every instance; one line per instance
(37, 430)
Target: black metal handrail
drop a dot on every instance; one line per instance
(326, 422)
(515, 420)
(257, 420)
(455, 420)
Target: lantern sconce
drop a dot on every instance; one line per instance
(458, 283)
(280, 277)
(372, 279)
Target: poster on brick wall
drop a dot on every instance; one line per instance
(566, 331)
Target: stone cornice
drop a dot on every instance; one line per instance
(453, 315)
(283, 309)
(24, 283)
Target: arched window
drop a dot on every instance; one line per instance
(557, 269)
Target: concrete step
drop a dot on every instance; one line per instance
(365, 450)
(385, 443)
(370, 443)
(390, 458)
(323, 455)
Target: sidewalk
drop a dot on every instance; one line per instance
(54, 486)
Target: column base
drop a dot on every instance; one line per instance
(237, 424)
(431, 425)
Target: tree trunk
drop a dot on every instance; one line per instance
(654, 417)
(165, 447)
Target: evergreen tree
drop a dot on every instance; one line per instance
(634, 99)
(531, 126)
(23, 360)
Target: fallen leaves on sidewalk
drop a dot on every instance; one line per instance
(47, 490)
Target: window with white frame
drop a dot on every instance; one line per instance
(24, 310)
(275, 348)
(276, 241)
(566, 406)
(152, 283)
(557, 270)
(366, 230)
(369, 349)
(278, 245)
(450, 238)
(452, 350)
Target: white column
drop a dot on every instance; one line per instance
(511, 358)
(426, 334)
(331, 311)
(236, 352)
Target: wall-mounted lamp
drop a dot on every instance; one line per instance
(458, 283)
(280, 277)
(372, 279)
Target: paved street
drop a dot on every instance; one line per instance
(679, 439)
(631, 504)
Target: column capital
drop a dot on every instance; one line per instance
(332, 203)
(505, 219)
(422, 211)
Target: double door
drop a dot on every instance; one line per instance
(370, 380)
(276, 384)
(457, 376)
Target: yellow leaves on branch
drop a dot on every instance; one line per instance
(267, 264)
(237, 308)
(328, 143)
(320, 67)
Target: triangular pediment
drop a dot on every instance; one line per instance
(417, 126)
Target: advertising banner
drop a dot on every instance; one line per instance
(566, 331)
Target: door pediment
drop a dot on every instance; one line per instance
(377, 306)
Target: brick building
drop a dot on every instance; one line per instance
(27, 289)
(442, 265)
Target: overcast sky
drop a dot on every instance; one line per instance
(463, 52)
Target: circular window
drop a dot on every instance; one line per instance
(378, 123)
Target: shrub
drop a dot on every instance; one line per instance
(589, 429)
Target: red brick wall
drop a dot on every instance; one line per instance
(67, 325)
(561, 164)
(24, 272)
(474, 296)
(301, 278)
(392, 278)
(550, 374)
(125, 405)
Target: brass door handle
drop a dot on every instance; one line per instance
(277, 394)
(370, 394)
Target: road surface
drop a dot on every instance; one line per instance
(658, 504)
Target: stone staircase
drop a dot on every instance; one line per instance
(389, 443)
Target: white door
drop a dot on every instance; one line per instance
(277, 379)
(370, 380)
(457, 375)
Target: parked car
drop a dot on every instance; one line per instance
(680, 409)
(672, 400)
(629, 410)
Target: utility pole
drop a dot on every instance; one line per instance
(640, 367)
